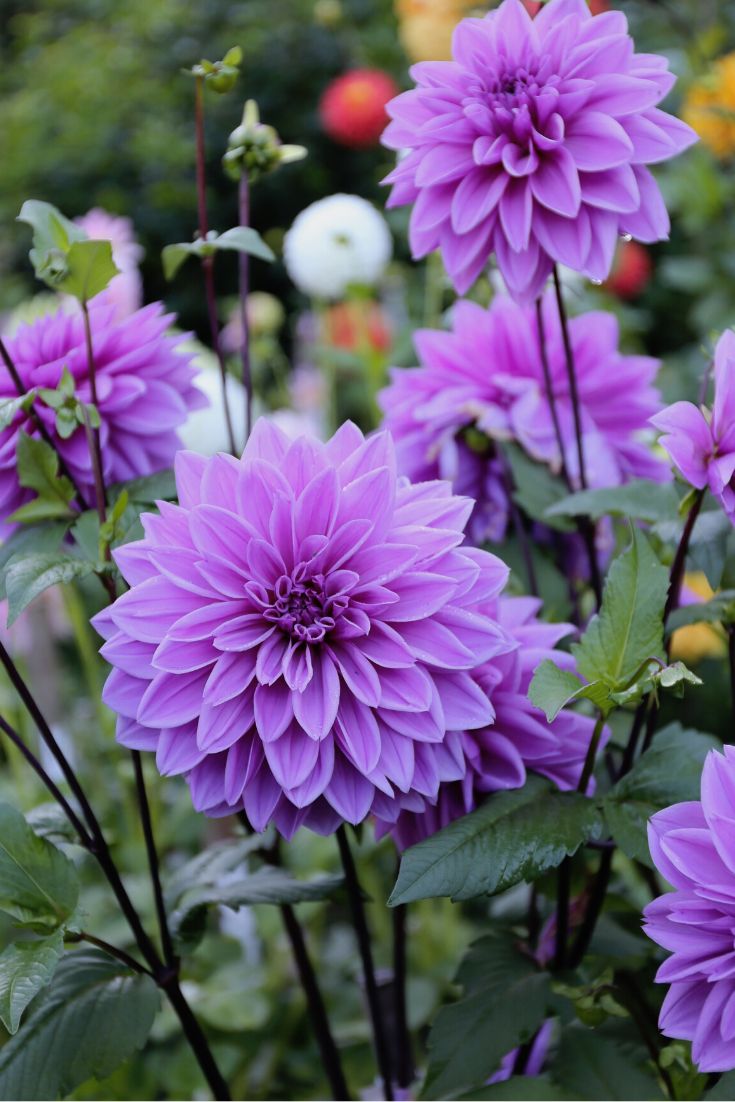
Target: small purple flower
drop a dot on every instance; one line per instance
(537, 1054)
(517, 739)
(486, 374)
(693, 847)
(702, 444)
(532, 144)
(300, 631)
(125, 290)
(145, 392)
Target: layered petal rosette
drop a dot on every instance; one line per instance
(145, 391)
(518, 739)
(693, 847)
(532, 144)
(299, 631)
(700, 443)
(487, 374)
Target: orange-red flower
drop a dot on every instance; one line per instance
(352, 108)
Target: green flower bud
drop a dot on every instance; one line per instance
(255, 148)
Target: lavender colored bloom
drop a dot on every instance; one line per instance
(532, 144)
(125, 290)
(517, 739)
(693, 846)
(536, 1057)
(701, 445)
(145, 391)
(300, 629)
(487, 375)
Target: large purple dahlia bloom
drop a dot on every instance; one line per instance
(517, 739)
(487, 374)
(299, 631)
(693, 847)
(145, 391)
(533, 144)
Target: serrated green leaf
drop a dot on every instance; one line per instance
(513, 836)
(721, 608)
(505, 1000)
(675, 674)
(640, 499)
(244, 239)
(668, 773)
(536, 488)
(38, 469)
(589, 1064)
(51, 229)
(28, 575)
(89, 269)
(38, 883)
(26, 967)
(629, 627)
(10, 407)
(519, 1088)
(94, 1016)
(41, 538)
(155, 487)
(551, 689)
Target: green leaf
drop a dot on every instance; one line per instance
(629, 627)
(513, 836)
(28, 575)
(675, 677)
(38, 883)
(40, 509)
(242, 239)
(94, 1016)
(38, 469)
(519, 1088)
(155, 487)
(592, 1065)
(551, 689)
(49, 821)
(51, 229)
(10, 407)
(536, 488)
(723, 1090)
(668, 773)
(42, 538)
(721, 608)
(506, 999)
(25, 969)
(265, 885)
(89, 269)
(640, 499)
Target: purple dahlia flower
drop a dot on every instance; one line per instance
(487, 374)
(703, 447)
(145, 391)
(533, 144)
(693, 847)
(300, 629)
(516, 739)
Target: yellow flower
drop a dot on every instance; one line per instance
(426, 26)
(695, 642)
(710, 107)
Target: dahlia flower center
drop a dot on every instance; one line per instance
(302, 607)
(519, 104)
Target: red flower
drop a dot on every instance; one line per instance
(356, 325)
(597, 7)
(352, 108)
(631, 271)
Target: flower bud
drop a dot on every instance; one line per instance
(255, 148)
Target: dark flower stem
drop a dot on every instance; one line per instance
(169, 954)
(404, 1055)
(244, 271)
(571, 376)
(95, 450)
(589, 761)
(307, 975)
(549, 385)
(208, 261)
(94, 840)
(38, 422)
(113, 950)
(359, 921)
(678, 566)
